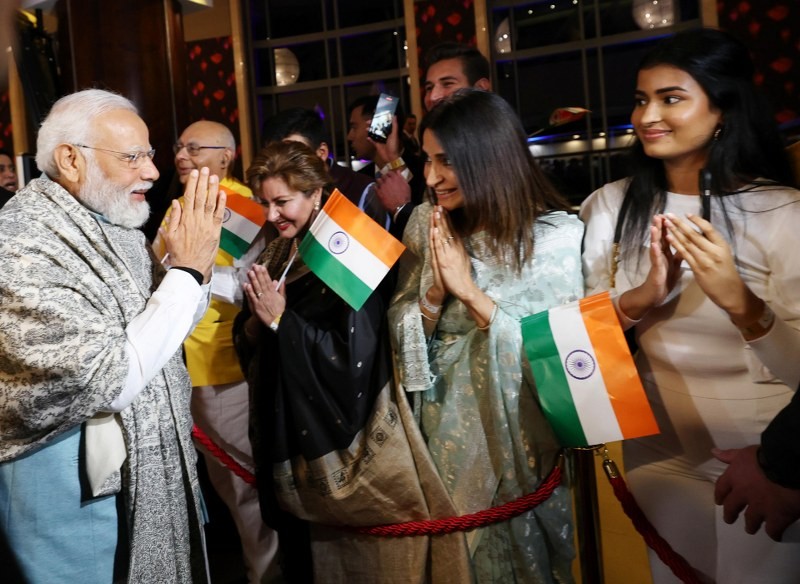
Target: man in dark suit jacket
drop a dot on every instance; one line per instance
(399, 173)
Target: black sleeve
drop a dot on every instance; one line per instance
(779, 454)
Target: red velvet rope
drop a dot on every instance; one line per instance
(426, 527)
(677, 563)
(473, 520)
(223, 456)
(674, 561)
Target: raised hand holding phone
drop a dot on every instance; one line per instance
(381, 125)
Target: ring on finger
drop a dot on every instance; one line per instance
(259, 295)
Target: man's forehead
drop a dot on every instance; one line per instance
(121, 127)
(295, 137)
(199, 135)
(358, 114)
(446, 69)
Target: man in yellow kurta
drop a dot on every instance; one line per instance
(220, 394)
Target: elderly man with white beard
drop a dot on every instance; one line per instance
(97, 467)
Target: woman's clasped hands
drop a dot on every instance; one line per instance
(711, 260)
(266, 302)
(450, 263)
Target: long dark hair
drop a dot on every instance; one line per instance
(504, 190)
(748, 146)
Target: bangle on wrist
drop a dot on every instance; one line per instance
(490, 321)
(274, 324)
(432, 308)
(397, 211)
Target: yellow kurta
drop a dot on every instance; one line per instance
(210, 356)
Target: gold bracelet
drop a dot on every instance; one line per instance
(396, 163)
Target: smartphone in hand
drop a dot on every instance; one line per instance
(381, 125)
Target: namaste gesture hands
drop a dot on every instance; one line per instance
(695, 240)
(192, 232)
(452, 271)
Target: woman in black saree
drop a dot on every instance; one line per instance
(332, 446)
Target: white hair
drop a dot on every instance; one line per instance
(70, 122)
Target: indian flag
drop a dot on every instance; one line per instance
(587, 382)
(348, 251)
(240, 225)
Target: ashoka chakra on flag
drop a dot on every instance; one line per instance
(339, 242)
(348, 251)
(585, 376)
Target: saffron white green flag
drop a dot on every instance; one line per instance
(348, 251)
(587, 382)
(241, 223)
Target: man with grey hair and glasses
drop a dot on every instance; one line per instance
(97, 467)
(220, 401)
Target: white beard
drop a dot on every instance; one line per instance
(113, 201)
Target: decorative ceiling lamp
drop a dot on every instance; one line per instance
(287, 68)
(502, 37)
(653, 13)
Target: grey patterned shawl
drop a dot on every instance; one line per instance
(69, 285)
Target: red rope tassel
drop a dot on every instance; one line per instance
(473, 520)
(223, 456)
(674, 561)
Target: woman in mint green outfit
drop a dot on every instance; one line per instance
(496, 245)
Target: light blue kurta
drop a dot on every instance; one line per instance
(51, 526)
(480, 414)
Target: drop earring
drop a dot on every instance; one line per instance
(316, 205)
(717, 133)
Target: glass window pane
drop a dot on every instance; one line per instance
(357, 12)
(315, 99)
(537, 24)
(294, 17)
(635, 15)
(305, 61)
(547, 83)
(621, 62)
(366, 53)
(266, 106)
(333, 59)
(257, 17)
(262, 68)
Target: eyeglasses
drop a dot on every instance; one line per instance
(194, 149)
(134, 159)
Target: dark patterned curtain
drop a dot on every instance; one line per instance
(212, 86)
(6, 137)
(772, 31)
(442, 20)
